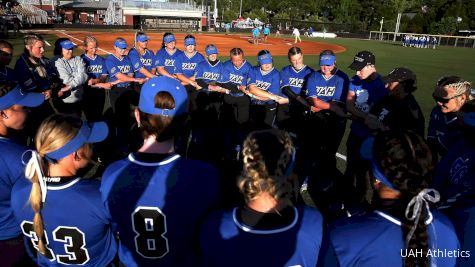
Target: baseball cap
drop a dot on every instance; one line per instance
(17, 97)
(142, 38)
(169, 38)
(399, 75)
(210, 50)
(327, 60)
(190, 41)
(265, 59)
(120, 43)
(67, 44)
(362, 59)
(367, 153)
(88, 133)
(163, 84)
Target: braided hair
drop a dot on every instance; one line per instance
(268, 157)
(406, 160)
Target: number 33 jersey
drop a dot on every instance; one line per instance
(77, 227)
(158, 203)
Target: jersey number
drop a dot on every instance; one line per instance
(72, 237)
(150, 225)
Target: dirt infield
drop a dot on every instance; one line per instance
(277, 46)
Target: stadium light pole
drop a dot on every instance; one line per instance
(381, 28)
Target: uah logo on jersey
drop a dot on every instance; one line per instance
(169, 62)
(384, 112)
(211, 76)
(458, 171)
(188, 66)
(236, 78)
(296, 82)
(325, 90)
(124, 68)
(146, 61)
(263, 85)
(94, 69)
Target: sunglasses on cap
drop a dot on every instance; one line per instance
(444, 100)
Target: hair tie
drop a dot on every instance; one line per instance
(34, 166)
(416, 205)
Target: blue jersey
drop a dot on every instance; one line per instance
(141, 61)
(376, 240)
(256, 32)
(455, 171)
(115, 66)
(157, 206)
(325, 89)
(7, 75)
(444, 129)
(235, 75)
(95, 67)
(227, 241)
(29, 77)
(164, 59)
(187, 65)
(209, 73)
(267, 81)
(11, 170)
(367, 93)
(77, 226)
(266, 31)
(296, 79)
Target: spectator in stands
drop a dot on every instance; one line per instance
(72, 72)
(165, 58)
(450, 94)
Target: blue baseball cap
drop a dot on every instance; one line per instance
(327, 60)
(169, 38)
(163, 84)
(120, 43)
(67, 44)
(367, 153)
(265, 59)
(190, 41)
(210, 50)
(17, 97)
(88, 133)
(142, 38)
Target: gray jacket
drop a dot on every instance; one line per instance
(73, 73)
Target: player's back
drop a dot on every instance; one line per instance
(158, 202)
(77, 225)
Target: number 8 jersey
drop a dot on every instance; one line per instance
(158, 202)
(77, 227)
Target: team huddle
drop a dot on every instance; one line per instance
(180, 130)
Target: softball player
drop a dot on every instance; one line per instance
(6, 53)
(13, 114)
(165, 58)
(264, 85)
(268, 224)
(294, 76)
(66, 220)
(142, 58)
(94, 88)
(186, 64)
(403, 230)
(122, 95)
(149, 192)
